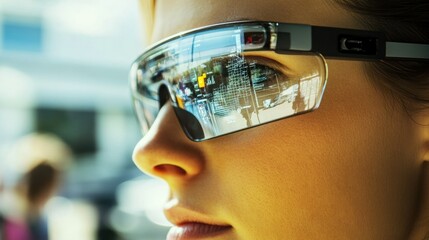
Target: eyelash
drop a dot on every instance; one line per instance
(276, 67)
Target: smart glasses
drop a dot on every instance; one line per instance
(229, 77)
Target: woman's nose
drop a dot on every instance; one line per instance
(166, 152)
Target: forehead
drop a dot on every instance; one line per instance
(173, 16)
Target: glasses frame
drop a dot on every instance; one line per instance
(331, 42)
(287, 38)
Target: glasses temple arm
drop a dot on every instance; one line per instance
(407, 50)
(345, 43)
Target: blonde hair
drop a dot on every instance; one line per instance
(148, 14)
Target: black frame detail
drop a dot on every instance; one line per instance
(348, 43)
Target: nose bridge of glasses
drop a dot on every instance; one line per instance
(163, 95)
(189, 123)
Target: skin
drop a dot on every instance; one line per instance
(349, 170)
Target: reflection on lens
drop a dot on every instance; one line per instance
(222, 85)
(232, 93)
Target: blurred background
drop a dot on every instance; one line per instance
(64, 71)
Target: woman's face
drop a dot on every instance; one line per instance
(348, 170)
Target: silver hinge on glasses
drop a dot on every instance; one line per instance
(407, 50)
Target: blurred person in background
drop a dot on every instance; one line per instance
(32, 174)
(354, 168)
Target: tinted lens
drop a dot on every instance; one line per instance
(220, 83)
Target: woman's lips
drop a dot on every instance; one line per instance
(196, 230)
(192, 224)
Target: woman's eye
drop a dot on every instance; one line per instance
(267, 77)
(270, 83)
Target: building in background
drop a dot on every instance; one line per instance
(64, 70)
